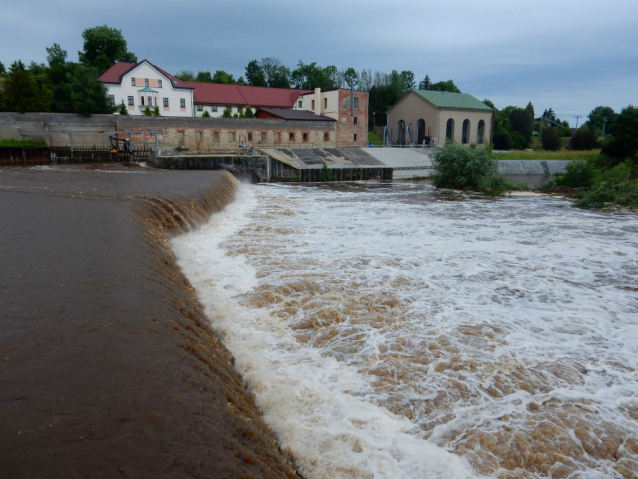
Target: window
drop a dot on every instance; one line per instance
(215, 136)
(240, 109)
(305, 137)
(131, 102)
(355, 137)
(142, 100)
(132, 81)
(313, 105)
(198, 136)
(159, 83)
(165, 102)
(356, 102)
(291, 137)
(325, 103)
(277, 137)
(213, 108)
(250, 137)
(262, 137)
(150, 101)
(299, 104)
(465, 137)
(449, 130)
(231, 136)
(326, 136)
(182, 102)
(200, 107)
(180, 136)
(480, 133)
(146, 82)
(112, 99)
(355, 120)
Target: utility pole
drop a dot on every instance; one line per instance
(577, 117)
(604, 122)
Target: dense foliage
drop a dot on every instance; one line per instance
(551, 139)
(623, 140)
(584, 139)
(103, 47)
(466, 168)
(22, 93)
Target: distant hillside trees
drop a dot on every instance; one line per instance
(21, 93)
(623, 140)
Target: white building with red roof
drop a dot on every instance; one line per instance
(141, 85)
(215, 98)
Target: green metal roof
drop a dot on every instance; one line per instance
(148, 89)
(444, 99)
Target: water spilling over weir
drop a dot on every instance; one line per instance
(394, 331)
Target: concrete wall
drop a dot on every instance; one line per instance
(55, 122)
(413, 107)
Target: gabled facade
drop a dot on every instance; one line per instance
(214, 98)
(435, 117)
(143, 84)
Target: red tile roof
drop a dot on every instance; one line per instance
(218, 94)
(117, 71)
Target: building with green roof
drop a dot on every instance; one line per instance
(434, 116)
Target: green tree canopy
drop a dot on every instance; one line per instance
(221, 76)
(445, 86)
(255, 74)
(185, 75)
(2, 69)
(598, 115)
(530, 108)
(490, 104)
(623, 142)
(276, 74)
(350, 77)
(408, 80)
(22, 93)
(82, 92)
(425, 83)
(204, 77)
(103, 47)
(521, 121)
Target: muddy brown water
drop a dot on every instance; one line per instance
(108, 366)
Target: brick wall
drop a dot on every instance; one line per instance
(347, 128)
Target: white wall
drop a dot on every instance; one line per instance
(147, 71)
(330, 110)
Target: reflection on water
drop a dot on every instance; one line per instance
(390, 330)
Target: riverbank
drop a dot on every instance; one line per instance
(108, 365)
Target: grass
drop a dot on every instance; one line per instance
(546, 155)
(374, 139)
(21, 143)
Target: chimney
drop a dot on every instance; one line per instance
(317, 101)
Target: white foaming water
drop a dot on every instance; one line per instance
(396, 331)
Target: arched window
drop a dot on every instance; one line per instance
(480, 133)
(465, 137)
(449, 130)
(401, 137)
(420, 131)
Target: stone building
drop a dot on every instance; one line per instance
(434, 116)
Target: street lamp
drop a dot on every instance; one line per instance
(374, 120)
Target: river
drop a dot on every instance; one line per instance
(393, 330)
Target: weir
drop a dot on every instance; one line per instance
(109, 365)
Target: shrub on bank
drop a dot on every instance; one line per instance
(613, 189)
(467, 168)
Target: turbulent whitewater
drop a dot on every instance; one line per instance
(395, 331)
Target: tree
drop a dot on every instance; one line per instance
(205, 114)
(448, 86)
(103, 47)
(490, 104)
(81, 92)
(222, 77)
(425, 83)
(551, 139)
(623, 140)
(584, 140)
(502, 139)
(521, 121)
(185, 75)
(598, 115)
(248, 112)
(156, 111)
(2, 69)
(204, 77)
(461, 167)
(147, 111)
(350, 77)
(255, 74)
(21, 92)
(549, 114)
(530, 108)
(226, 113)
(408, 81)
(121, 109)
(277, 75)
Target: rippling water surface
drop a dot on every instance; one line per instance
(390, 330)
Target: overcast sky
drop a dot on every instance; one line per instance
(570, 55)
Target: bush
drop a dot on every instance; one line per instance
(326, 174)
(502, 139)
(578, 174)
(226, 113)
(624, 135)
(121, 108)
(551, 140)
(519, 142)
(584, 140)
(461, 167)
(205, 114)
(147, 111)
(614, 190)
(156, 111)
